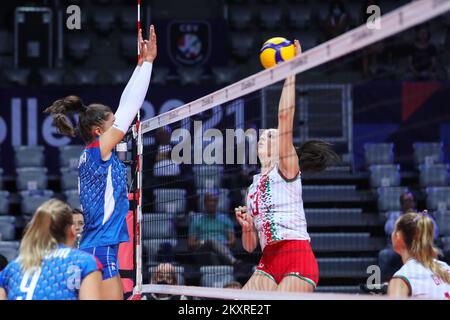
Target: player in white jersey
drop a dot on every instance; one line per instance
(274, 211)
(422, 275)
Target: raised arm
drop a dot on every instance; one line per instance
(288, 165)
(132, 97)
(130, 83)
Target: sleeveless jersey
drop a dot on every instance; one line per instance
(276, 206)
(104, 198)
(59, 277)
(422, 282)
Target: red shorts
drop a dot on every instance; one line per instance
(289, 257)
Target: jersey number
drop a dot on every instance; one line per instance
(27, 287)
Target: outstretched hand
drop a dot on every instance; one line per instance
(148, 49)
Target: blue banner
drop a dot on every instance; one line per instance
(22, 121)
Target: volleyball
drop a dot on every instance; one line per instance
(276, 50)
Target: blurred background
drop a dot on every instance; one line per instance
(385, 108)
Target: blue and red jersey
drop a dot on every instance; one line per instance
(104, 198)
(58, 278)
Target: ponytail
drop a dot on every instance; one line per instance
(422, 247)
(316, 156)
(60, 109)
(46, 230)
(92, 115)
(418, 233)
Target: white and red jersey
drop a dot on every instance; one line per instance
(422, 282)
(276, 206)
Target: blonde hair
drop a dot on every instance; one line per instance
(418, 233)
(46, 230)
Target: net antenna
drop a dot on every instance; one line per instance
(137, 135)
(398, 20)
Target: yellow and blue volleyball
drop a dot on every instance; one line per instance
(276, 50)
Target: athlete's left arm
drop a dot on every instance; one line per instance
(131, 102)
(289, 163)
(398, 289)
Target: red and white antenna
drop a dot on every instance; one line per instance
(138, 239)
(138, 23)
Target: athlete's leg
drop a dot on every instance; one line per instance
(111, 286)
(260, 281)
(294, 283)
(112, 289)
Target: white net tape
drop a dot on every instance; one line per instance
(238, 294)
(396, 21)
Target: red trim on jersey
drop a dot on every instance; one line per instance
(95, 144)
(406, 281)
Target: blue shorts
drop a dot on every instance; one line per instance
(108, 257)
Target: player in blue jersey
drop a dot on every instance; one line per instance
(47, 267)
(102, 176)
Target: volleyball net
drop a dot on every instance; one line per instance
(196, 161)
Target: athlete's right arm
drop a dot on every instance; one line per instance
(249, 235)
(130, 83)
(2, 294)
(90, 286)
(133, 97)
(288, 164)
